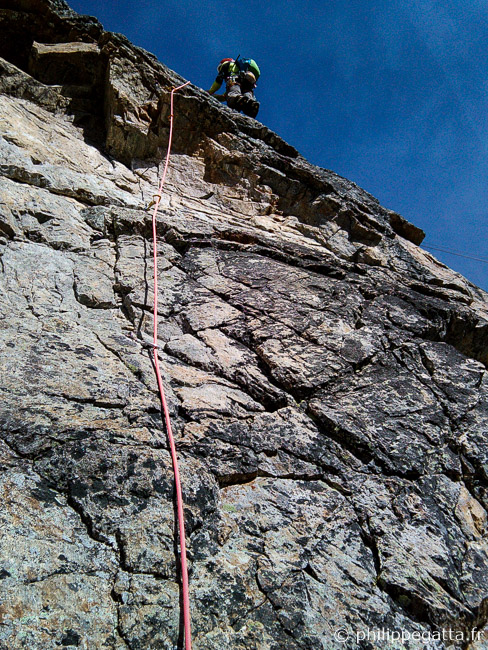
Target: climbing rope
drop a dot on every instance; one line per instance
(179, 498)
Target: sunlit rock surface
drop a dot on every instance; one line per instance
(326, 377)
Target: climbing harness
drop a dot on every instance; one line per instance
(179, 498)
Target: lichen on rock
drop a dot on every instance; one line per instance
(326, 377)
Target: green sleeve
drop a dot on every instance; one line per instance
(215, 86)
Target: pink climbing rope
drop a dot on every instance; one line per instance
(179, 498)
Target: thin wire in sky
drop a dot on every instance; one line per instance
(444, 250)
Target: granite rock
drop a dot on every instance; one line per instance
(326, 376)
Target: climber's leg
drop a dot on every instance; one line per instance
(249, 105)
(234, 96)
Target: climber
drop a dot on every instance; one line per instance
(240, 78)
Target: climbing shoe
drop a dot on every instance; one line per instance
(251, 107)
(239, 103)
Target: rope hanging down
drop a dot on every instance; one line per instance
(179, 498)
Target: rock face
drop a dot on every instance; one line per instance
(326, 377)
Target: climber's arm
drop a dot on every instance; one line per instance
(216, 85)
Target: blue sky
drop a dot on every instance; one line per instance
(391, 94)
